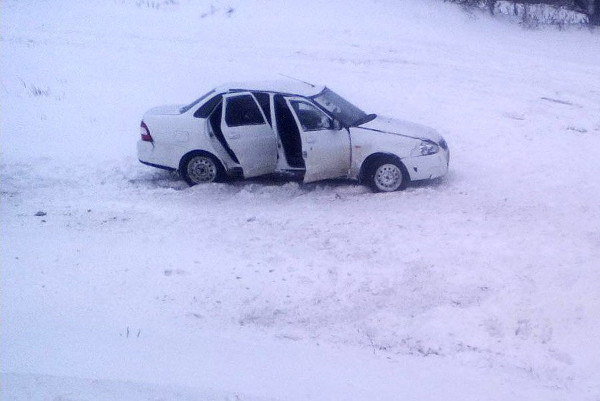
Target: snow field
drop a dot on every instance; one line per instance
(491, 272)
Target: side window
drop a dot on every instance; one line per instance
(311, 118)
(264, 102)
(242, 110)
(207, 108)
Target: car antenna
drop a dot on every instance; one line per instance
(296, 79)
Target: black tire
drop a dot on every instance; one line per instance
(201, 168)
(386, 174)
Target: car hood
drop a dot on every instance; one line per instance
(395, 126)
(173, 109)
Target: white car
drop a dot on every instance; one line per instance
(294, 128)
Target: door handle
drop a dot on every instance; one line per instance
(234, 136)
(311, 140)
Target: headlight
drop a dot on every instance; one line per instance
(425, 148)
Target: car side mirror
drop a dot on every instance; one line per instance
(336, 125)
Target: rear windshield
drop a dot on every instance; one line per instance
(195, 102)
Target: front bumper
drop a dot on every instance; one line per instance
(428, 167)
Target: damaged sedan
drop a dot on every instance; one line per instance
(291, 128)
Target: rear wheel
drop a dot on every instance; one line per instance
(386, 175)
(201, 168)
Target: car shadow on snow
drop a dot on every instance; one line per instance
(159, 179)
(434, 183)
(278, 180)
(162, 179)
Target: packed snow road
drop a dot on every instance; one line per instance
(488, 278)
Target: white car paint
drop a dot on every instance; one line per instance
(399, 137)
(255, 145)
(275, 86)
(328, 151)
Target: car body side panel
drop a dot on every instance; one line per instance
(366, 143)
(174, 136)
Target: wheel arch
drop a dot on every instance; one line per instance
(369, 160)
(198, 152)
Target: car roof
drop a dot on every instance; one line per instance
(282, 86)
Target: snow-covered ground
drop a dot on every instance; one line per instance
(480, 286)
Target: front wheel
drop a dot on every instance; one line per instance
(386, 175)
(200, 169)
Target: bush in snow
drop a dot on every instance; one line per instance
(532, 14)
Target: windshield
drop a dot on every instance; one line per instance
(340, 108)
(195, 102)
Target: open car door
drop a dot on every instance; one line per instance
(248, 135)
(325, 144)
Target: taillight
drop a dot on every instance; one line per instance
(145, 133)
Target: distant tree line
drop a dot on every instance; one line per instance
(589, 7)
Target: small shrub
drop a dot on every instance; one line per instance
(155, 4)
(35, 90)
(215, 10)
